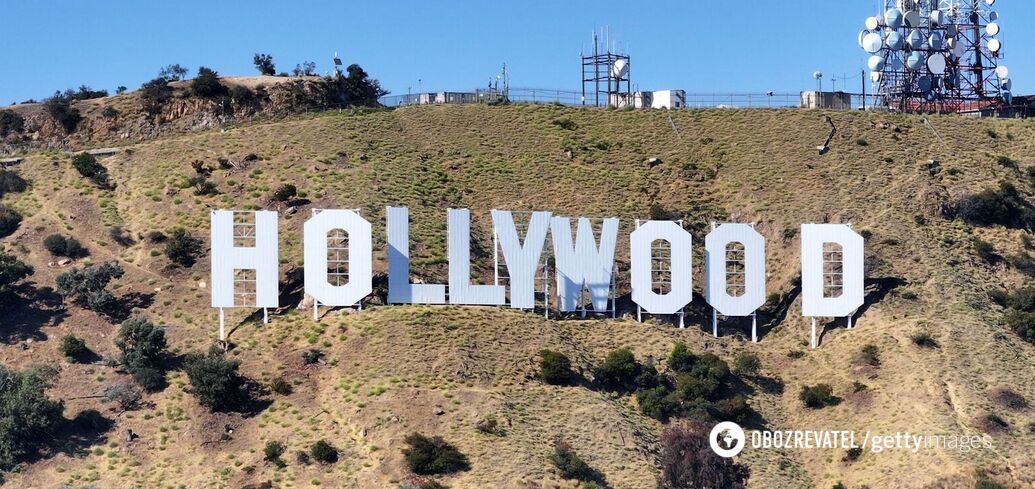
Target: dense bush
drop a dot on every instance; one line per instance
(281, 386)
(923, 339)
(74, 348)
(59, 245)
(324, 452)
(1003, 206)
(12, 270)
(870, 355)
(154, 94)
(570, 465)
(433, 455)
(311, 356)
(746, 364)
(10, 123)
(264, 63)
(285, 192)
(687, 461)
(87, 286)
(215, 381)
(658, 403)
(11, 182)
(273, 451)
(1020, 313)
(206, 84)
(818, 396)
(360, 89)
(202, 185)
(60, 109)
(9, 220)
(88, 166)
(986, 483)
(619, 371)
(182, 248)
(554, 367)
(143, 350)
(28, 418)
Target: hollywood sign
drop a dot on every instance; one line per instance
(583, 264)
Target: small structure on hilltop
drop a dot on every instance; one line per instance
(606, 74)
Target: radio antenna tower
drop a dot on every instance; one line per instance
(937, 56)
(605, 72)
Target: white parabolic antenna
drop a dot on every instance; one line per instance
(993, 16)
(894, 40)
(875, 76)
(936, 63)
(862, 35)
(872, 23)
(1002, 72)
(915, 60)
(872, 43)
(994, 45)
(990, 2)
(992, 28)
(876, 63)
(915, 40)
(620, 69)
(912, 19)
(893, 18)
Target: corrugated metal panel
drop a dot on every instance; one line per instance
(400, 290)
(461, 290)
(263, 258)
(641, 262)
(583, 263)
(360, 266)
(522, 259)
(813, 237)
(715, 246)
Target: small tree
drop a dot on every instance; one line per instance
(324, 452)
(570, 465)
(28, 417)
(687, 461)
(88, 166)
(87, 286)
(215, 381)
(554, 367)
(10, 123)
(619, 370)
(12, 270)
(818, 396)
(360, 89)
(59, 245)
(143, 349)
(173, 72)
(9, 220)
(154, 94)
(74, 348)
(428, 456)
(273, 451)
(207, 84)
(182, 248)
(285, 192)
(264, 63)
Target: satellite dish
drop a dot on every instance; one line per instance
(935, 41)
(862, 34)
(875, 76)
(924, 83)
(993, 16)
(872, 23)
(1006, 83)
(894, 40)
(994, 45)
(912, 19)
(952, 30)
(915, 60)
(951, 80)
(915, 40)
(950, 43)
(959, 50)
(990, 2)
(893, 18)
(1002, 72)
(872, 43)
(936, 63)
(937, 18)
(620, 69)
(876, 63)
(992, 28)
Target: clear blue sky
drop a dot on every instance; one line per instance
(716, 46)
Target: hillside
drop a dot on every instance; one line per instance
(390, 371)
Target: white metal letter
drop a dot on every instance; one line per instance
(715, 246)
(641, 259)
(522, 259)
(461, 290)
(400, 290)
(583, 263)
(226, 258)
(360, 265)
(813, 303)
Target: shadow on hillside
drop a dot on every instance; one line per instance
(875, 290)
(29, 309)
(129, 303)
(75, 436)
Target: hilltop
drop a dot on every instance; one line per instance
(389, 371)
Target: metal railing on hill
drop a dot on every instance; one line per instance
(744, 100)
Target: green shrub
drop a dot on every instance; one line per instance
(746, 364)
(142, 346)
(264, 63)
(311, 356)
(273, 451)
(28, 418)
(182, 248)
(88, 166)
(154, 94)
(74, 348)
(207, 84)
(862, 142)
(12, 270)
(324, 452)
(619, 371)
(658, 403)
(570, 465)
(818, 396)
(1003, 206)
(565, 123)
(215, 381)
(87, 286)
(923, 339)
(59, 245)
(433, 455)
(985, 483)
(281, 386)
(9, 220)
(11, 123)
(871, 355)
(60, 109)
(554, 367)
(285, 192)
